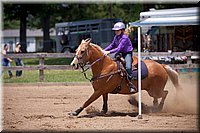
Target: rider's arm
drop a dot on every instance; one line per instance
(110, 46)
(120, 46)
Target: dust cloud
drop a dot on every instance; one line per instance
(179, 100)
(183, 101)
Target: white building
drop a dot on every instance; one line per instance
(34, 39)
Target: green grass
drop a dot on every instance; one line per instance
(49, 76)
(48, 61)
(58, 61)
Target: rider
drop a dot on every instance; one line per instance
(122, 44)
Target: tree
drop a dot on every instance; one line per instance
(14, 12)
(23, 15)
(45, 16)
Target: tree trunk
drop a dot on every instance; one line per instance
(146, 6)
(46, 34)
(110, 11)
(23, 22)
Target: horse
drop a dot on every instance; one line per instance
(107, 77)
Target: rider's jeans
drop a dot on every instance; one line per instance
(129, 60)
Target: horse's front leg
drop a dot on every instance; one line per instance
(105, 104)
(92, 98)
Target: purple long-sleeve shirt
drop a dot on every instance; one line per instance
(121, 43)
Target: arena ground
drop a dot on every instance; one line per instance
(45, 108)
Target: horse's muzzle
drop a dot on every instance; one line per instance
(74, 63)
(75, 66)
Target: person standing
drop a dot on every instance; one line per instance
(6, 60)
(18, 61)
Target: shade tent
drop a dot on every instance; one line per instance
(167, 17)
(167, 21)
(176, 12)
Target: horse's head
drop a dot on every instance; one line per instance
(82, 54)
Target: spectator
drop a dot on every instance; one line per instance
(18, 61)
(5, 60)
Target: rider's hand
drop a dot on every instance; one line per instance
(106, 52)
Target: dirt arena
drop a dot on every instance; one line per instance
(45, 108)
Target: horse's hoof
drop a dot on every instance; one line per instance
(72, 114)
(103, 112)
(156, 110)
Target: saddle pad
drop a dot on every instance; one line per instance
(144, 72)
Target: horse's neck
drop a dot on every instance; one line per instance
(99, 66)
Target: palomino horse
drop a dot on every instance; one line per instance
(106, 77)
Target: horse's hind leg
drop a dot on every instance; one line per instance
(155, 102)
(105, 104)
(164, 95)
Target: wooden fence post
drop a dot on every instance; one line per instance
(41, 68)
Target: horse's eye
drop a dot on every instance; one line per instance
(82, 52)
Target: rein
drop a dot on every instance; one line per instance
(98, 76)
(85, 70)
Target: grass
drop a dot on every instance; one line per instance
(48, 61)
(49, 75)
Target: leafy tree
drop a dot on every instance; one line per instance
(46, 15)
(17, 12)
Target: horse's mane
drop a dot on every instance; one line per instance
(97, 46)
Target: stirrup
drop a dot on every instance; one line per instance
(132, 89)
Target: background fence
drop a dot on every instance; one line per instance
(41, 57)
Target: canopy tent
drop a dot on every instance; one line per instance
(167, 21)
(167, 17)
(176, 12)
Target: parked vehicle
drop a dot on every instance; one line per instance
(70, 34)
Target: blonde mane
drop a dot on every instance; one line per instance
(97, 46)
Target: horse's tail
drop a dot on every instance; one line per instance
(173, 75)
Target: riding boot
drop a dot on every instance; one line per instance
(132, 88)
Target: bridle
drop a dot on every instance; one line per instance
(84, 70)
(83, 64)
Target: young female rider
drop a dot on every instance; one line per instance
(122, 44)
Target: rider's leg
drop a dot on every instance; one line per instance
(129, 60)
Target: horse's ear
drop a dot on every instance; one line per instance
(88, 40)
(83, 41)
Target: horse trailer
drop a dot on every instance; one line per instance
(70, 34)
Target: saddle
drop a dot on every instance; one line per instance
(144, 72)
